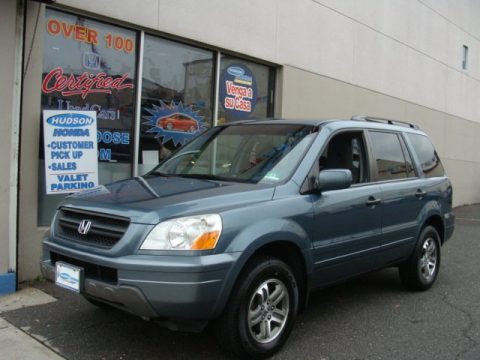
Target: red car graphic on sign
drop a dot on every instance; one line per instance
(178, 122)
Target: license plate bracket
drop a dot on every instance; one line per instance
(69, 276)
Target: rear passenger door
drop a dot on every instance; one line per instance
(403, 195)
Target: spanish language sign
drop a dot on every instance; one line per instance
(238, 91)
(70, 140)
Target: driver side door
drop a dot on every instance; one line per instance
(347, 223)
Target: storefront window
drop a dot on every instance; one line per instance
(89, 65)
(177, 92)
(246, 90)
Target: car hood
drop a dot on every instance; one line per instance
(150, 199)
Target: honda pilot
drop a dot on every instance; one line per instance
(239, 225)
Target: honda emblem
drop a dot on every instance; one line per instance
(84, 227)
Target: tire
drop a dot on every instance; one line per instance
(265, 297)
(421, 270)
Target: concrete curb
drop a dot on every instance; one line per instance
(26, 297)
(15, 344)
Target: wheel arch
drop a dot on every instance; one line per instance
(290, 254)
(285, 250)
(436, 221)
(432, 214)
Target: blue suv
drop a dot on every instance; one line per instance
(240, 224)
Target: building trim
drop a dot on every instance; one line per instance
(15, 148)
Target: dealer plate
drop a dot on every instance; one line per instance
(68, 276)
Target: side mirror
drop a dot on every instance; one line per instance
(333, 179)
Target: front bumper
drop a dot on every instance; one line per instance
(169, 287)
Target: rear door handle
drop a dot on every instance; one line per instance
(372, 201)
(420, 193)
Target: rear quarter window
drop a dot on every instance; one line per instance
(429, 161)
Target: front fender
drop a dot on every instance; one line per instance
(266, 231)
(254, 237)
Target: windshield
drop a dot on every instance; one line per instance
(245, 153)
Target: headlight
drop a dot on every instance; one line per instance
(199, 232)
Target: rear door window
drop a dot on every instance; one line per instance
(428, 157)
(388, 156)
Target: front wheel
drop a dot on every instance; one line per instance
(421, 270)
(261, 312)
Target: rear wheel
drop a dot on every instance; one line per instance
(421, 270)
(261, 312)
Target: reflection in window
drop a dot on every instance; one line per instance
(244, 153)
(429, 160)
(177, 89)
(388, 155)
(408, 160)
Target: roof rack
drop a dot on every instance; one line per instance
(384, 120)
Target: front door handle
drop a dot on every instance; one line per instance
(420, 193)
(372, 201)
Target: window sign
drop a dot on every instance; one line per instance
(70, 151)
(89, 65)
(238, 91)
(174, 122)
(245, 90)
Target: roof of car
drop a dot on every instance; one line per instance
(356, 122)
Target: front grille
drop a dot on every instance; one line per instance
(91, 271)
(105, 231)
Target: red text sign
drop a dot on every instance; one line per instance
(83, 84)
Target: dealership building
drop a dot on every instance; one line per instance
(156, 72)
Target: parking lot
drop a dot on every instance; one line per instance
(370, 317)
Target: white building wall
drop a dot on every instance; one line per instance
(409, 49)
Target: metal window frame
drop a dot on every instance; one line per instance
(465, 57)
(138, 106)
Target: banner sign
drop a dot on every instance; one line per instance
(238, 91)
(70, 144)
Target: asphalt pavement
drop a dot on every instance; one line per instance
(370, 317)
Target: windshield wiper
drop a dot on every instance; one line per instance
(212, 177)
(159, 173)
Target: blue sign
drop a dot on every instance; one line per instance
(70, 150)
(70, 120)
(238, 91)
(174, 122)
